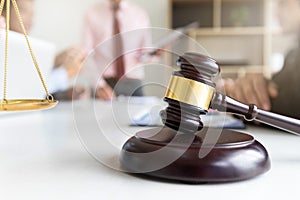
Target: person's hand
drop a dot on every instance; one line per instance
(104, 93)
(71, 59)
(63, 55)
(80, 93)
(252, 89)
(73, 93)
(159, 52)
(2, 22)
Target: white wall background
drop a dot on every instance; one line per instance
(60, 21)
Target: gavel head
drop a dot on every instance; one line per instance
(190, 92)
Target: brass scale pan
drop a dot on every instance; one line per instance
(26, 104)
(22, 104)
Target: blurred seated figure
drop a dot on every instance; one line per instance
(66, 66)
(67, 63)
(281, 94)
(109, 21)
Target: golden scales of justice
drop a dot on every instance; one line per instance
(22, 104)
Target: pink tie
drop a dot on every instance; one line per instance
(118, 46)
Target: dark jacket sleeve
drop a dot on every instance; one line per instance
(288, 82)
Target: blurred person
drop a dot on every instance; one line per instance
(103, 21)
(67, 63)
(66, 66)
(280, 94)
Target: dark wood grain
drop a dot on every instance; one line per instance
(235, 156)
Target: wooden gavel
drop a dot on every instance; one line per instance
(191, 93)
(172, 152)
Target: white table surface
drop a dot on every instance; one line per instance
(42, 157)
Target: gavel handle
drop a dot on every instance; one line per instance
(251, 112)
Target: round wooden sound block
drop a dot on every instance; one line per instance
(168, 154)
